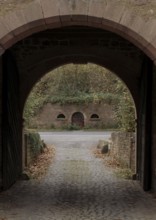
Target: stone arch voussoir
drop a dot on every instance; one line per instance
(38, 15)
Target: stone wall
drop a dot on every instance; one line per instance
(1, 122)
(141, 7)
(123, 149)
(33, 147)
(153, 154)
(47, 118)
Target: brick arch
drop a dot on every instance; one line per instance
(45, 14)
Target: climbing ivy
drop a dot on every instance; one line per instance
(35, 143)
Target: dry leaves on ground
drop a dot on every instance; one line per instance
(40, 166)
(97, 153)
(108, 159)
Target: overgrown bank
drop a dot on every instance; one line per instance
(81, 84)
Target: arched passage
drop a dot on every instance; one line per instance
(71, 46)
(134, 66)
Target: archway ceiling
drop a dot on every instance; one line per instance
(42, 52)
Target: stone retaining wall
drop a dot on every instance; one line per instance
(47, 117)
(123, 149)
(1, 165)
(33, 147)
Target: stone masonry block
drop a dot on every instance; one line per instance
(150, 50)
(4, 29)
(32, 31)
(148, 30)
(5, 34)
(134, 38)
(15, 20)
(73, 10)
(74, 23)
(27, 20)
(65, 10)
(7, 37)
(129, 26)
(148, 33)
(34, 14)
(113, 12)
(50, 10)
(16, 28)
(96, 11)
(111, 16)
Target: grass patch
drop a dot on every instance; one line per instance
(124, 173)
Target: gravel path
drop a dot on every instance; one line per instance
(77, 187)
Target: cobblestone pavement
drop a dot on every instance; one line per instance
(77, 187)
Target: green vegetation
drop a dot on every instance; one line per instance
(71, 127)
(124, 173)
(125, 110)
(82, 84)
(35, 143)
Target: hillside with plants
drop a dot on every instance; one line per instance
(80, 84)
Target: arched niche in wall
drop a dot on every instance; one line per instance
(61, 117)
(94, 117)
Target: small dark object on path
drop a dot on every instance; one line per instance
(105, 149)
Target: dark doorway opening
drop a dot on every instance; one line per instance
(78, 119)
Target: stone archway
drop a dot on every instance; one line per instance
(78, 119)
(122, 20)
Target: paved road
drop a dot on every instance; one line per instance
(90, 136)
(77, 186)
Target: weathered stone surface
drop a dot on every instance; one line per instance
(123, 148)
(140, 2)
(51, 11)
(47, 117)
(5, 34)
(113, 12)
(73, 10)
(14, 20)
(96, 11)
(33, 13)
(120, 18)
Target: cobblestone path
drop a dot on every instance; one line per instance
(77, 187)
